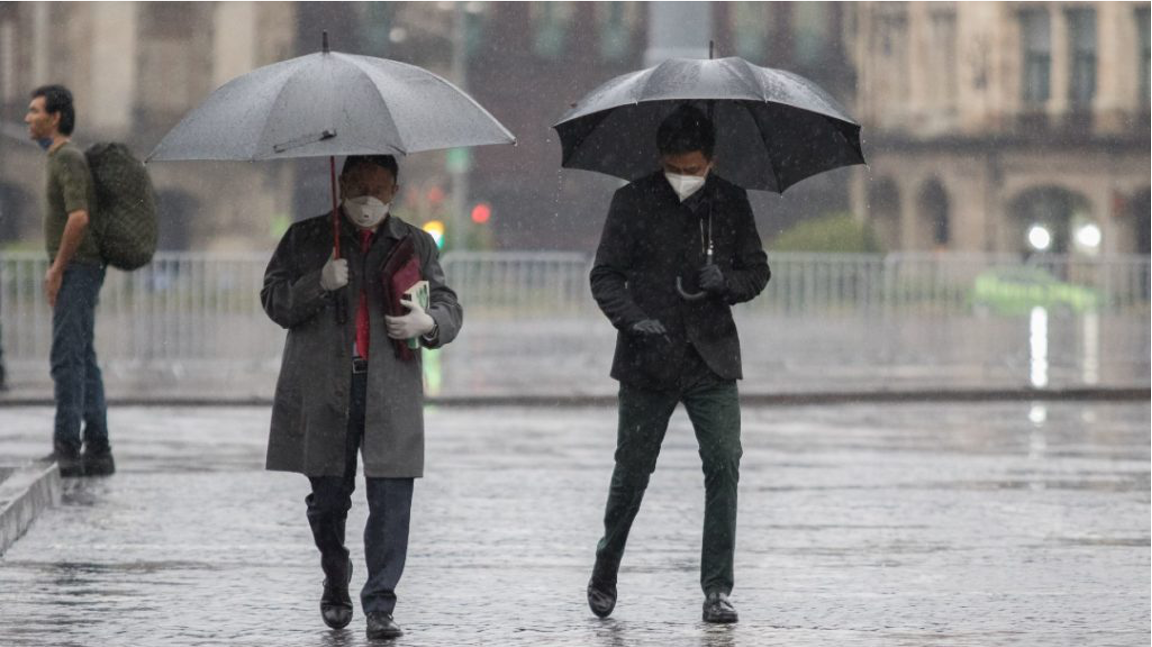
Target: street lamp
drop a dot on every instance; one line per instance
(1089, 236)
(1039, 238)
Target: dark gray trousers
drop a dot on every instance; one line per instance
(389, 512)
(713, 405)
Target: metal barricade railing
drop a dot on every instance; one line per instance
(205, 306)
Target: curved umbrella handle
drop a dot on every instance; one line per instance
(686, 295)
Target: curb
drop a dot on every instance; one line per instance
(874, 396)
(32, 488)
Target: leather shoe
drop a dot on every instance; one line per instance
(601, 598)
(98, 463)
(381, 626)
(718, 609)
(336, 604)
(67, 461)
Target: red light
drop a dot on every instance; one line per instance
(481, 213)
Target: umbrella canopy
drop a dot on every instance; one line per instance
(329, 104)
(773, 128)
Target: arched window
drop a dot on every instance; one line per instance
(932, 208)
(884, 212)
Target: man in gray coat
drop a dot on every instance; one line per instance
(347, 386)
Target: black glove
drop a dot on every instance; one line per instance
(649, 327)
(712, 280)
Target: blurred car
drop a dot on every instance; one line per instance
(1017, 290)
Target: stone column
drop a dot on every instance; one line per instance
(678, 29)
(234, 41)
(112, 66)
(1061, 62)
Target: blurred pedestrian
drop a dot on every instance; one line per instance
(72, 288)
(353, 384)
(678, 249)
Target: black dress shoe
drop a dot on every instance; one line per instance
(381, 626)
(98, 462)
(601, 598)
(718, 609)
(336, 604)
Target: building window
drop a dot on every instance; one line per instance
(943, 79)
(615, 21)
(1142, 20)
(1082, 45)
(550, 22)
(891, 38)
(750, 28)
(1036, 32)
(811, 22)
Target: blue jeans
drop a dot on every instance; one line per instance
(79, 386)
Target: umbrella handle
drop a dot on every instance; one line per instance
(687, 296)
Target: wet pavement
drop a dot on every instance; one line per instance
(898, 525)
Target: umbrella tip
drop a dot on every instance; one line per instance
(325, 39)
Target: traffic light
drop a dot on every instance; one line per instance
(436, 229)
(481, 213)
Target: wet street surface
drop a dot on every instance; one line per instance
(899, 525)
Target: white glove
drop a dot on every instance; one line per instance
(335, 273)
(414, 324)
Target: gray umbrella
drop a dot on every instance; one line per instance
(773, 128)
(329, 104)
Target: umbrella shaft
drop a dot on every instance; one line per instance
(335, 209)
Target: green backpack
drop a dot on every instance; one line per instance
(124, 223)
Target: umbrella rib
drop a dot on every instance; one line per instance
(575, 148)
(767, 146)
(742, 75)
(462, 93)
(402, 147)
(268, 122)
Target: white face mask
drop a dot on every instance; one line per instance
(685, 185)
(365, 212)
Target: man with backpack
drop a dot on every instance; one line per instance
(72, 288)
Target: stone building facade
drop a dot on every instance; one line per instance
(134, 70)
(986, 121)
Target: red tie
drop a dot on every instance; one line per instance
(362, 308)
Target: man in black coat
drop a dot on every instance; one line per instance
(679, 248)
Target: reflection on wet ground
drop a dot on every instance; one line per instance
(903, 525)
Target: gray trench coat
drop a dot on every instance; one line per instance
(310, 410)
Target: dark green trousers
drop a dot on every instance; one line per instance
(713, 406)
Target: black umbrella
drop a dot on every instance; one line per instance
(773, 128)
